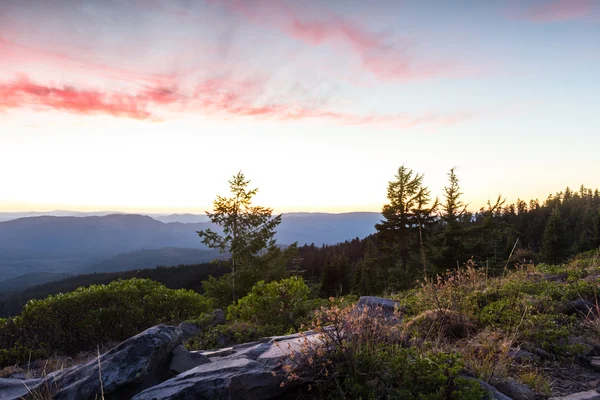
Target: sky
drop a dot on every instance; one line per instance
(151, 105)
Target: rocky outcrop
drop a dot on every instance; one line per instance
(137, 363)
(387, 306)
(515, 390)
(250, 371)
(184, 360)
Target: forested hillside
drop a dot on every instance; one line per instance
(420, 236)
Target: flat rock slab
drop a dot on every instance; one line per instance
(184, 360)
(239, 378)
(11, 389)
(589, 395)
(252, 371)
(515, 390)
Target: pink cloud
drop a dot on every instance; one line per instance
(382, 55)
(556, 10)
(24, 93)
(218, 97)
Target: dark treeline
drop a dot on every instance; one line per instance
(180, 277)
(420, 236)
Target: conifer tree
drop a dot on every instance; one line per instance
(453, 211)
(553, 243)
(367, 274)
(425, 216)
(397, 231)
(247, 229)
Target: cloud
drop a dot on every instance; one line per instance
(222, 97)
(381, 54)
(17, 54)
(556, 10)
(24, 93)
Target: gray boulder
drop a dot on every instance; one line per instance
(378, 304)
(521, 355)
(138, 363)
(12, 389)
(218, 318)
(184, 360)
(239, 378)
(252, 371)
(188, 329)
(515, 390)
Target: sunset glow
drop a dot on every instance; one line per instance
(150, 106)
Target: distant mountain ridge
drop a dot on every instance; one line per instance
(69, 244)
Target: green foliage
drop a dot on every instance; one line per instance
(218, 290)
(82, 319)
(247, 230)
(180, 277)
(268, 267)
(278, 303)
(19, 354)
(336, 276)
(554, 245)
(236, 332)
(407, 219)
(400, 373)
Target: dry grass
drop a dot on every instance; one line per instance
(440, 327)
(48, 389)
(7, 372)
(592, 323)
(535, 379)
(487, 354)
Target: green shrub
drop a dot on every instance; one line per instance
(237, 332)
(280, 303)
(530, 321)
(19, 354)
(97, 314)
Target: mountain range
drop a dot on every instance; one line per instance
(77, 244)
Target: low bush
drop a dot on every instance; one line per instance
(282, 303)
(80, 320)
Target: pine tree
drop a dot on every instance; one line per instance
(247, 230)
(367, 274)
(425, 216)
(553, 243)
(453, 212)
(398, 232)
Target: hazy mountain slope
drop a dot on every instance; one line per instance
(143, 259)
(74, 244)
(68, 236)
(183, 218)
(28, 280)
